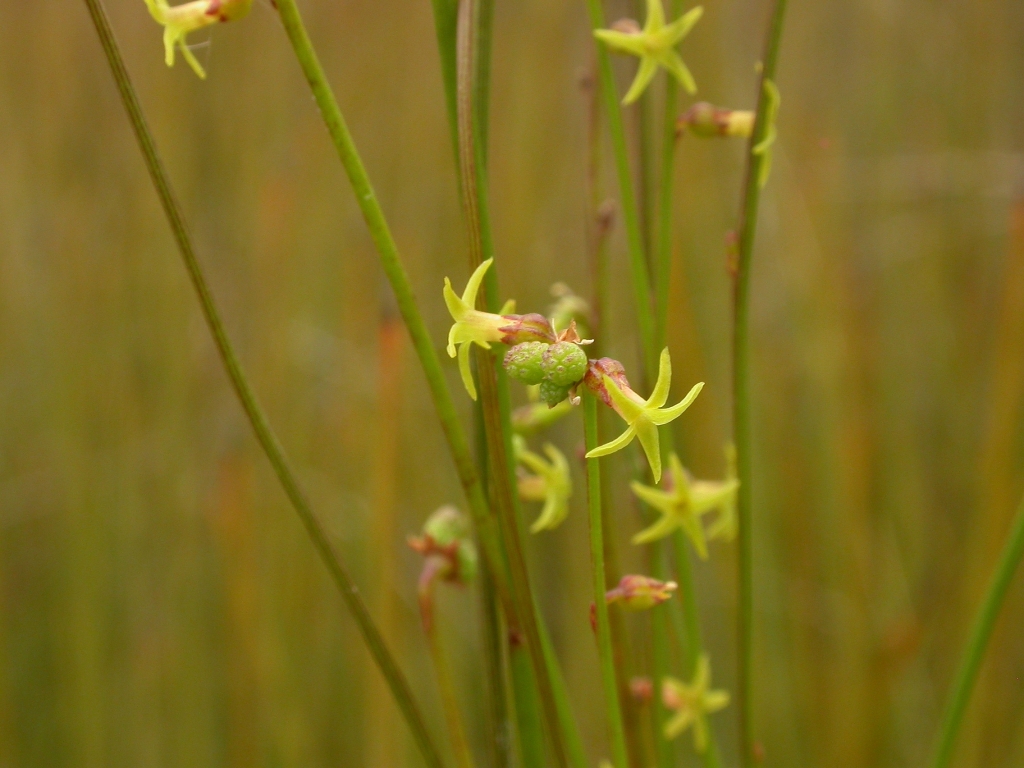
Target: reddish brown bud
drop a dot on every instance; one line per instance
(638, 593)
(597, 370)
(641, 689)
(707, 120)
(531, 327)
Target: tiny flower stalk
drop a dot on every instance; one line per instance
(692, 703)
(448, 555)
(473, 326)
(682, 503)
(654, 45)
(550, 483)
(607, 379)
(179, 20)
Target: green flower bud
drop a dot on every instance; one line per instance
(552, 393)
(564, 363)
(524, 362)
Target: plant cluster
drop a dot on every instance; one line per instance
(549, 356)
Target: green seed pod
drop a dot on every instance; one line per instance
(524, 362)
(552, 393)
(564, 363)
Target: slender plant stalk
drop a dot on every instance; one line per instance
(499, 725)
(691, 620)
(664, 749)
(494, 396)
(663, 236)
(423, 345)
(449, 698)
(604, 636)
(627, 197)
(967, 675)
(741, 390)
(257, 419)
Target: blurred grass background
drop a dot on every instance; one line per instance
(159, 602)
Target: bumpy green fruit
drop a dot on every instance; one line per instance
(552, 393)
(564, 363)
(524, 362)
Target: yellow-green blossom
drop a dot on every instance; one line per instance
(655, 45)
(692, 703)
(643, 416)
(179, 20)
(550, 483)
(683, 502)
(483, 328)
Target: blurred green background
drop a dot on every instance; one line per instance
(159, 602)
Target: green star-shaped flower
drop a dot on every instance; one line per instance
(692, 704)
(550, 483)
(179, 20)
(645, 416)
(475, 327)
(655, 45)
(684, 502)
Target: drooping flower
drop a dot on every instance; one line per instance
(179, 20)
(655, 45)
(449, 554)
(692, 703)
(683, 502)
(607, 379)
(472, 326)
(550, 483)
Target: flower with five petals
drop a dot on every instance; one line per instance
(606, 378)
(655, 45)
(473, 326)
(179, 20)
(692, 704)
(683, 502)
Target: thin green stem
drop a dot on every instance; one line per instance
(604, 635)
(691, 621)
(663, 240)
(662, 659)
(398, 278)
(630, 211)
(268, 440)
(575, 752)
(741, 390)
(494, 633)
(449, 699)
(967, 675)
(494, 396)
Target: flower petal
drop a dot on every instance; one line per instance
(677, 68)
(464, 370)
(679, 28)
(664, 383)
(618, 443)
(657, 530)
(665, 415)
(648, 69)
(648, 434)
(473, 285)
